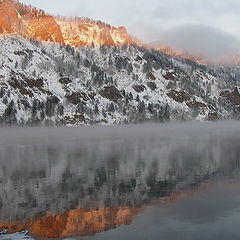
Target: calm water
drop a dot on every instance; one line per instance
(171, 181)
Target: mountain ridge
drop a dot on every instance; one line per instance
(78, 71)
(51, 84)
(28, 22)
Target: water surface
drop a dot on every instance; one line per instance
(170, 181)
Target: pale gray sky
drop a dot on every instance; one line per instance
(150, 20)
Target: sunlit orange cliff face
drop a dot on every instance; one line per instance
(180, 54)
(10, 20)
(20, 19)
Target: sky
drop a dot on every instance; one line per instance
(210, 26)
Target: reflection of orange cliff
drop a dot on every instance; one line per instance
(82, 222)
(79, 222)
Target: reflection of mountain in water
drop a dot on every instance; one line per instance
(79, 187)
(78, 222)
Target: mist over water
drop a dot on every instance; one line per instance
(128, 171)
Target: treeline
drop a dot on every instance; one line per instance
(93, 92)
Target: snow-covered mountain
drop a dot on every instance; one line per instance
(48, 83)
(56, 70)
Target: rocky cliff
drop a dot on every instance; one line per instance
(17, 18)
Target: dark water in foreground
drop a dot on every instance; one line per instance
(172, 181)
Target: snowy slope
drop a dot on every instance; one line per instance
(46, 83)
